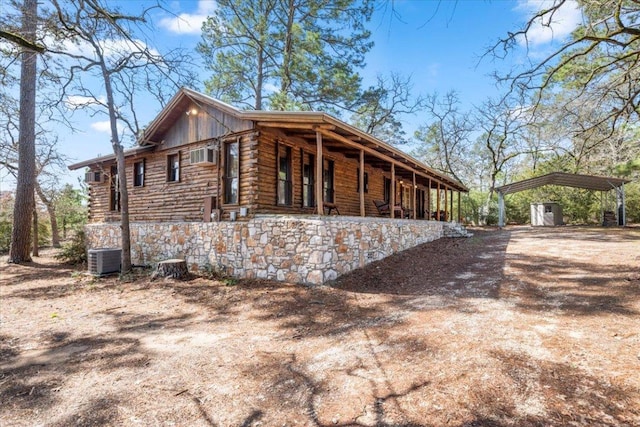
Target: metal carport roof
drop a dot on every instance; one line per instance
(588, 182)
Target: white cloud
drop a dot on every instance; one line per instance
(112, 49)
(550, 27)
(105, 127)
(189, 23)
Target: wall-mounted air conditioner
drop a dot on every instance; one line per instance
(203, 156)
(104, 260)
(94, 177)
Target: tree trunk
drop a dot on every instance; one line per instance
(35, 251)
(118, 150)
(51, 210)
(24, 201)
(124, 210)
(175, 268)
(287, 55)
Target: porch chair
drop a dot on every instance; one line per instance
(383, 208)
(328, 207)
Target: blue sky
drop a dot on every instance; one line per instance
(437, 43)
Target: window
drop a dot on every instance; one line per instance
(114, 190)
(285, 187)
(548, 209)
(327, 178)
(231, 172)
(387, 189)
(138, 174)
(308, 176)
(173, 167)
(366, 181)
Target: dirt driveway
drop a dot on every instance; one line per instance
(519, 327)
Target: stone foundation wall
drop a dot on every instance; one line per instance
(309, 250)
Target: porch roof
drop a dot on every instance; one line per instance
(304, 126)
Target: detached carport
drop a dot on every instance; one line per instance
(588, 182)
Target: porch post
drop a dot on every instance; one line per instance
(414, 195)
(362, 209)
(429, 201)
(500, 209)
(392, 196)
(438, 202)
(446, 205)
(459, 208)
(451, 205)
(319, 173)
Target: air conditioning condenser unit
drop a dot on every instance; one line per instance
(104, 260)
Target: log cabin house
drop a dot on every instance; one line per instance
(203, 160)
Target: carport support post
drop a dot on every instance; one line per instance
(622, 212)
(500, 209)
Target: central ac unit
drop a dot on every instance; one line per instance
(203, 156)
(104, 260)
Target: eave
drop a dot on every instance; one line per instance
(110, 157)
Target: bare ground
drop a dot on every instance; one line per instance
(519, 327)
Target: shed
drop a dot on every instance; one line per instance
(546, 214)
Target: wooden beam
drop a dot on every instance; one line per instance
(446, 206)
(368, 150)
(451, 203)
(362, 208)
(392, 196)
(293, 125)
(429, 201)
(459, 208)
(319, 170)
(414, 195)
(438, 202)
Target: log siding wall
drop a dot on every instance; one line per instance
(184, 200)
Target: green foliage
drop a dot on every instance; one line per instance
(230, 281)
(71, 210)
(628, 168)
(632, 197)
(5, 233)
(213, 272)
(308, 51)
(44, 233)
(74, 252)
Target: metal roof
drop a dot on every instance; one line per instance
(337, 135)
(109, 157)
(589, 182)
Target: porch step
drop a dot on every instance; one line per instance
(454, 229)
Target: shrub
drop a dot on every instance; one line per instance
(74, 252)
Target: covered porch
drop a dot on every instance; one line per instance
(405, 187)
